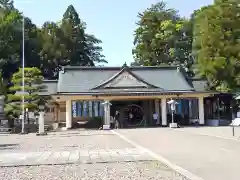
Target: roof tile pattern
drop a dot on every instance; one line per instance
(85, 79)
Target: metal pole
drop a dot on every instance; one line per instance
(233, 130)
(23, 82)
(231, 108)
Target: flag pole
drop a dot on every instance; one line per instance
(23, 81)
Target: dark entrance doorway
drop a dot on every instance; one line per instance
(131, 112)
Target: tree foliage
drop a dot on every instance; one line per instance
(6, 4)
(206, 44)
(46, 50)
(48, 47)
(216, 44)
(83, 49)
(162, 37)
(33, 86)
(10, 39)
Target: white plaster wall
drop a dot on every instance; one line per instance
(61, 116)
(49, 117)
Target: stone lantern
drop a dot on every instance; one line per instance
(173, 104)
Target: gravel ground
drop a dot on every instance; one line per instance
(103, 171)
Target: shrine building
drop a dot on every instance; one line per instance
(80, 92)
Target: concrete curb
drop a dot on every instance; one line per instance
(175, 167)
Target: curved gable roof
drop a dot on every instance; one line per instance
(88, 79)
(124, 79)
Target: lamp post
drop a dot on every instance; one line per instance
(41, 131)
(173, 104)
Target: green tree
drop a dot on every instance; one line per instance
(67, 43)
(32, 44)
(10, 38)
(53, 52)
(6, 4)
(83, 49)
(216, 44)
(162, 37)
(33, 87)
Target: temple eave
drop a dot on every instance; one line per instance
(139, 93)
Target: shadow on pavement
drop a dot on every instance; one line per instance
(8, 146)
(70, 135)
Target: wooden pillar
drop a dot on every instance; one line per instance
(56, 109)
(68, 114)
(157, 110)
(145, 111)
(151, 108)
(190, 108)
(164, 111)
(107, 109)
(201, 110)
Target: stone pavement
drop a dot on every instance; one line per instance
(205, 156)
(67, 147)
(225, 132)
(62, 141)
(76, 156)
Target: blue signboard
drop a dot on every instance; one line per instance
(74, 109)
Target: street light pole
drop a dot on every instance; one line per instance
(23, 81)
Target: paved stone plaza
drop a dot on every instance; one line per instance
(62, 141)
(196, 150)
(225, 132)
(76, 155)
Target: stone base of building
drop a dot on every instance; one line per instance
(173, 125)
(41, 134)
(22, 133)
(65, 128)
(106, 127)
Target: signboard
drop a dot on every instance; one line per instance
(74, 109)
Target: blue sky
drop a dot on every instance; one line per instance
(112, 21)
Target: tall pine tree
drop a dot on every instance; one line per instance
(84, 49)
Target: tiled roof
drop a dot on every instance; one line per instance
(51, 87)
(74, 80)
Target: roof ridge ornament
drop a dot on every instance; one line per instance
(125, 65)
(62, 70)
(178, 68)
